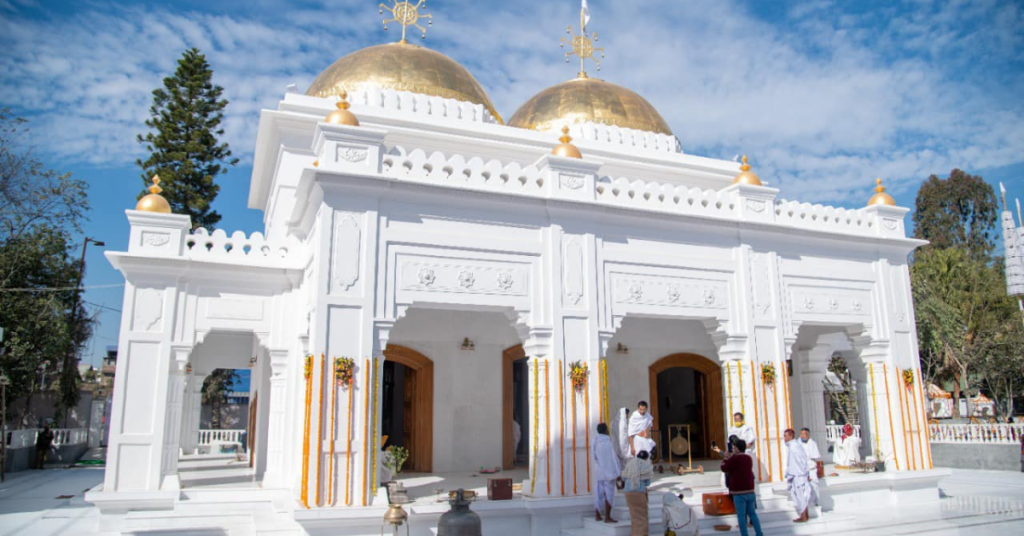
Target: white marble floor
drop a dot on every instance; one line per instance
(975, 503)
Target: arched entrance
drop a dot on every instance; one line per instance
(687, 389)
(407, 415)
(514, 407)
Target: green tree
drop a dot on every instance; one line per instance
(184, 141)
(39, 211)
(216, 387)
(959, 211)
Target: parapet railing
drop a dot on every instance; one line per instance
(512, 178)
(61, 437)
(202, 244)
(834, 431)
(988, 433)
(208, 437)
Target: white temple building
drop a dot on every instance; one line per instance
(463, 262)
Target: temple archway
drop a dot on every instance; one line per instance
(696, 399)
(407, 416)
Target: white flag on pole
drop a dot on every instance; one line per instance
(586, 13)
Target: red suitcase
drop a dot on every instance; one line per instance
(499, 489)
(718, 504)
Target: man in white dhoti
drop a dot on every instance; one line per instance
(678, 516)
(846, 451)
(607, 469)
(640, 423)
(813, 457)
(797, 476)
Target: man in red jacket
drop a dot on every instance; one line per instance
(739, 467)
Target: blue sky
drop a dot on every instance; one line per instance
(823, 95)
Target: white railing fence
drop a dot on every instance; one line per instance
(61, 437)
(995, 434)
(208, 437)
(834, 431)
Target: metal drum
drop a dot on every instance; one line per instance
(460, 520)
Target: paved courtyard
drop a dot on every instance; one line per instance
(50, 503)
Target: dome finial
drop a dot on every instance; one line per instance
(582, 45)
(342, 116)
(746, 176)
(880, 197)
(407, 14)
(566, 148)
(154, 202)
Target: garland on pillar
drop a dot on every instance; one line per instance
(536, 425)
(561, 424)
(753, 396)
(547, 425)
(366, 428)
(785, 387)
(888, 407)
(376, 385)
(344, 368)
(350, 387)
(319, 427)
(908, 427)
(739, 380)
(586, 423)
(919, 403)
(767, 424)
(604, 382)
(307, 371)
(768, 371)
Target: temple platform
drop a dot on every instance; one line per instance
(219, 497)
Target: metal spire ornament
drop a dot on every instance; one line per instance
(582, 45)
(407, 14)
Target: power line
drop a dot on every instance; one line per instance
(102, 306)
(59, 289)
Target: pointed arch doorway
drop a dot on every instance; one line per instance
(687, 389)
(407, 416)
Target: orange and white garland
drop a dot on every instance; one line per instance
(308, 373)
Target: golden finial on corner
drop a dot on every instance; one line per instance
(153, 201)
(342, 116)
(316, 163)
(880, 197)
(746, 176)
(582, 45)
(407, 14)
(566, 148)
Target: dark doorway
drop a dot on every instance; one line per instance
(407, 406)
(682, 392)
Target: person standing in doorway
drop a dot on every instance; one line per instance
(608, 468)
(739, 467)
(43, 441)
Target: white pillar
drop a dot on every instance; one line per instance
(190, 413)
(276, 475)
(812, 392)
(172, 423)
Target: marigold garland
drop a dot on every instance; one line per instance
(768, 374)
(908, 378)
(307, 369)
(344, 370)
(305, 431)
(578, 372)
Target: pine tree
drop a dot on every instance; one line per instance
(184, 143)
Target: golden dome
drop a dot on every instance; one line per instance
(153, 201)
(586, 99)
(566, 148)
(402, 67)
(880, 197)
(342, 116)
(746, 176)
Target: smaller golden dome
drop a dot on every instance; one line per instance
(566, 148)
(745, 176)
(342, 116)
(880, 197)
(154, 202)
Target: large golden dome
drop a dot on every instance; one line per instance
(586, 99)
(402, 67)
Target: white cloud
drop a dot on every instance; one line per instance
(823, 100)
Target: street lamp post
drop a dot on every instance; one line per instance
(69, 360)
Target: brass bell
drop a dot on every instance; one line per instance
(396, 517)
(460, 520)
